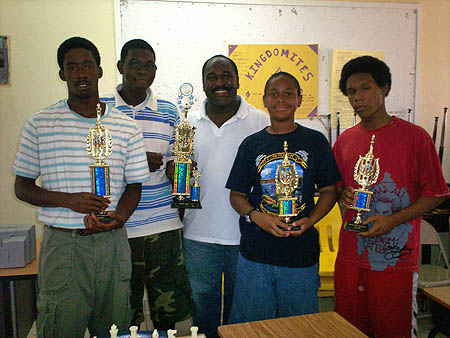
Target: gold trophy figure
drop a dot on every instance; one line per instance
(365, 174)
(99, 147)
(286, 182)
(184, 196)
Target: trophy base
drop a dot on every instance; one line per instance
(352, 226)
(103, 217)
(185, 203)
(292, 228)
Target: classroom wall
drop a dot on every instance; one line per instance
(36, 28)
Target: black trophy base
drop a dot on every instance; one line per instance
(292, 229)
(185, 203)
(356, 227)
(103, 217)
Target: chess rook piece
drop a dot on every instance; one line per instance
(99, 147)
(183, 149)
(365, 174)
(133, 332)
(194, 331)
(286, 183)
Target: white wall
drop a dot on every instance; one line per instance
(36, 29)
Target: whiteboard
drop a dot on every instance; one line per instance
(185, 34)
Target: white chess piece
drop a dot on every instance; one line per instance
(170, 333)
(133, 332)
(113, 332)
(155, 334)
(194, 330)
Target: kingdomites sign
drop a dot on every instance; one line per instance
(256, 63)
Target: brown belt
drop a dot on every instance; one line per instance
(81, 232)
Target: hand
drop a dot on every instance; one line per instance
(347, 199)
(304, 224)
(270, 223)
(155, 161)
(92, 222)
(86, 202)
(170, 169)
(382, 225)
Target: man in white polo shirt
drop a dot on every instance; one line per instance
(211, 235)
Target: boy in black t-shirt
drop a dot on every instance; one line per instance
(277, 274)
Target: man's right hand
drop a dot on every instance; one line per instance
(155, 161)
(86, 202)
(270, 223)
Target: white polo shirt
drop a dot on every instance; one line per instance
(215, 149)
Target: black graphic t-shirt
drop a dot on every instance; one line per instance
(253, 173)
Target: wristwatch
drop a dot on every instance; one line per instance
(247, 216)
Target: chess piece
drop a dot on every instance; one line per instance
(194, 330)
(155, 334)
(133, 332)
(113, 332)
(170, 333)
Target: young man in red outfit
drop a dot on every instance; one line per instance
(376, 270)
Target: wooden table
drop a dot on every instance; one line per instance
(323, 324)
(8, 278)
(440, 309)
(439, 294)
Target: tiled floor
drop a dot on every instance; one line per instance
(325, 304)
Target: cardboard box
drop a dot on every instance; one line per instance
(17, 245)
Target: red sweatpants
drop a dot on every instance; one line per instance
(381, 304)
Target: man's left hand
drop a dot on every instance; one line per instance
(92, 222)
(381, 225)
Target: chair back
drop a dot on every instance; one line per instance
(429, 236)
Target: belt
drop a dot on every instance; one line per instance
(81, 232)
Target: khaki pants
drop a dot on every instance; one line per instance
(84, 282)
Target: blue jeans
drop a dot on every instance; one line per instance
(205, 264)
(266, 291)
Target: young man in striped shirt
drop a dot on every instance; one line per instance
(84, 266)
(155, 229)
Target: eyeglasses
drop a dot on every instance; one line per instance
(136, 65)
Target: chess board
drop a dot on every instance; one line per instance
(140, 334)
(148, 334)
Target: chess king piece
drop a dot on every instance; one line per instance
(365, 174)
(184, 196)
(99, 147)
(286, 183)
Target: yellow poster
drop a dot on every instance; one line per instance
(256, 63)
(339, 102)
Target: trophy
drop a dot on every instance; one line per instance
(286, 183)
(365, 174)
(99, 147)
(184, 195)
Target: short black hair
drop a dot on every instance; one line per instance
(134, 44)
(366, 64)
(76, 42)
(278, 74)
(224, 57)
